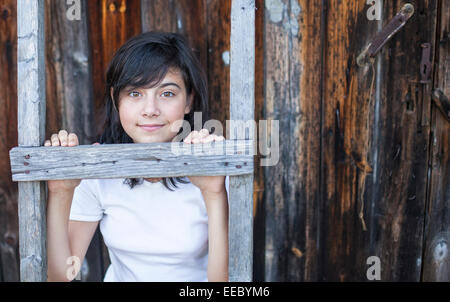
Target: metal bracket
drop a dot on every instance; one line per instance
(425, 64)
(383, 36)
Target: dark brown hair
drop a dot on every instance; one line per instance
(143, 61)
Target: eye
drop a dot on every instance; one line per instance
(167, 94)
(133, 93)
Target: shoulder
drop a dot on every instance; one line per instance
(99, 184)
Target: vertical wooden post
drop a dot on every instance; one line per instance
(31, 132)
(242, 104)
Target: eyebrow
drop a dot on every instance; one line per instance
(169, 84)
(160, 86)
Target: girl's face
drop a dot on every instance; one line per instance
(161, 105)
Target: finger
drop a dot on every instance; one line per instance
(194, 137)
(96, 143)
(220, 138)
(208, 139)
(55, 140)
(47, 143)
(187, 139)
(73, 140)
(203, 133)
(63, 137)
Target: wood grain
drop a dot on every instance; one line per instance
(111, 24)
(436, 263)
(187, 17)
(292, 82)
(218, 47)
(346, 132)
(31, 125)
(398, 194)
(229, 157)
(258, 184)
(9, 230)
(69, 91)
(242, 108)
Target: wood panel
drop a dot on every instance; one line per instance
(258, 184)
(347, 120)
(132, 160)
(68, 70)
(69, 93)
(436, 264)
(242, 108)
(399, 195)
(218, 46)
(31, 132)
(9, 233)
(111, 24)
(292, 92)
(186, 17)
(375, 176)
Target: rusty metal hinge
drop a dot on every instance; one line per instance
(383, 36)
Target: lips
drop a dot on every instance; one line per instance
(151, 127)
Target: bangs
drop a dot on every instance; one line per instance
(146, 67)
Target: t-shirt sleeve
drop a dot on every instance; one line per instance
(86, 205)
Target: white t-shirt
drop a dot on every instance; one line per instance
(152, 234)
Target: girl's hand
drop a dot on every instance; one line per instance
(65, 140)
(211, 184)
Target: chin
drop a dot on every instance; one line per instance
(148, 140)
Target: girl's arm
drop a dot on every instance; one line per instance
(67, 241)
(217, 208)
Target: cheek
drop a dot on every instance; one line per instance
(176, 112)
(126, 115)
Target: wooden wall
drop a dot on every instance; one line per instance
(364, 153)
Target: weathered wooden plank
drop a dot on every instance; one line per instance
(69, 80)
(218, 44)
(436, 263)
(242, 107)
(259, 182)
(278, 107)
(69, 95)
(375, 170)
(187, 17)
(293, 81)
(31, 126)
(9, 231)
(111, 24)
(346, 133)
(131, 160)
(401, 150)
(160, 15)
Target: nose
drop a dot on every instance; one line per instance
(150, 106)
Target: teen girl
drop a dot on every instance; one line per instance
(153, 232)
